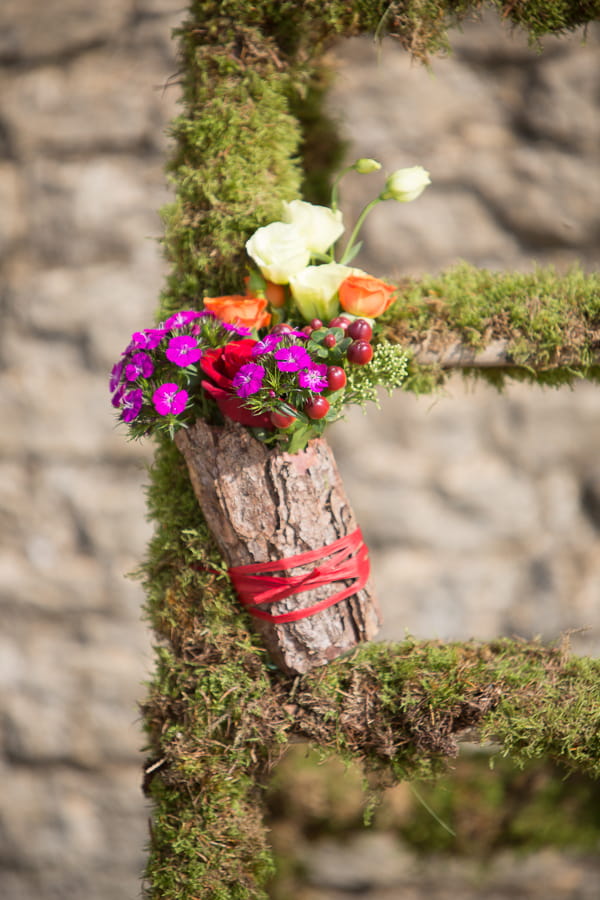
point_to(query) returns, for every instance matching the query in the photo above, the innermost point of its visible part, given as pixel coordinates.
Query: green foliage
(388, 369)
(549, 323)
(535, 701)
(217, 713)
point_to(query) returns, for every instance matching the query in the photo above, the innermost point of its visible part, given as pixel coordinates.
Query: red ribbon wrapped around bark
(348, 559)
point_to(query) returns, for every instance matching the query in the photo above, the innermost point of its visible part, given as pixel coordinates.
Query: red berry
(340, 322)
(317, 408)
(359, 353)
(281, 328)
(360, 330)
(315, 323)
(281, 420)
(307, 330)
(336, 378)
(329, 341)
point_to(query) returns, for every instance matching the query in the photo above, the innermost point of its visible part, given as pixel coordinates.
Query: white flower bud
(320, 226)
(279, 250)
(365, 165)
(406, 184)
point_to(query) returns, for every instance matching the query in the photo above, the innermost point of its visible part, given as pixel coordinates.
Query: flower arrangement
(286, 357)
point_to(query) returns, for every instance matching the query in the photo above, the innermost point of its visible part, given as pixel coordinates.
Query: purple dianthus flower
(292, 359)
(248, 379)
(181, 318)
(117, 397)
(115, 375)
(183, 351)
(315, 378)
(268, 343)
(237, 329)
(131, 404)
(298, 334)
(169, 398)
(147, 339)
(140, 364)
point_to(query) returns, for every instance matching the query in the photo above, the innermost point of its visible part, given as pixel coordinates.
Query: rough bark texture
(261, 505)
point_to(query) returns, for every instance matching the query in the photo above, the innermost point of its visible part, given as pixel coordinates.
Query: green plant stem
(359, 223)
(335, 187)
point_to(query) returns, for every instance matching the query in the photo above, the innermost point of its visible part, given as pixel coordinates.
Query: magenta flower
(181, 318)
(292, 359)
(131, 404)
(183, 351)
(315, 378)
(147, 339)
(298, 334)
(268, 343)
(236, 329)
(248, 379)
(169, 399)
(115, 375)
(118, 396)
(140, 364)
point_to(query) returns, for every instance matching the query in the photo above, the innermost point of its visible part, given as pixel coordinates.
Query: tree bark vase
(263, 505)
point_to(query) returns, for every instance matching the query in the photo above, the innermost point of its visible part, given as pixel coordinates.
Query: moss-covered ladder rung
(218, 714)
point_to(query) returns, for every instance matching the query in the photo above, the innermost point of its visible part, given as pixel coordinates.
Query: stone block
(31, 31)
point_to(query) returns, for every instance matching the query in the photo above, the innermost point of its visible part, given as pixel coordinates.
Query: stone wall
(483, 511)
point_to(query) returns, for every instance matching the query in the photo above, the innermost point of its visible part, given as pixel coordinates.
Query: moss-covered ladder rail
(217, 713)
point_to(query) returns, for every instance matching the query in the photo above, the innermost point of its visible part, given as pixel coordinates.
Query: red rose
(220, 365)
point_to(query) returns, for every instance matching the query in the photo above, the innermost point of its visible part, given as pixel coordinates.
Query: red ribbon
(348, 558)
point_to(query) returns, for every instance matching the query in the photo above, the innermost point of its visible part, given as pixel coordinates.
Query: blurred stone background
(482, 511)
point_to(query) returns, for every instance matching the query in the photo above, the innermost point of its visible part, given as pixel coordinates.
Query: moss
(321, 149)
(217, 713)
(404, 703)
(550, 324)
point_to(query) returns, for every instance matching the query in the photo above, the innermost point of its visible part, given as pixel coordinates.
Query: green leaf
(257, 283)
(300, 438)
(350, 253)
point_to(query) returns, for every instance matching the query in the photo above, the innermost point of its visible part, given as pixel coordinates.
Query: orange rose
(363, 295)
(238, 310)
(275, 293)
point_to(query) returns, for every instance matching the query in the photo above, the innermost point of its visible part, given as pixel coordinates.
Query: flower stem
(351, 241)
(335, 192)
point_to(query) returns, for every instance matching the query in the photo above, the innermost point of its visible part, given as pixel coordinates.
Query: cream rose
(320, 226)
(315, 288)
(279, 250)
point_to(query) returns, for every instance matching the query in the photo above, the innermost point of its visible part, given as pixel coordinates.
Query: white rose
(319, 225)
(315, 288)
(279, 250)
(406, 184)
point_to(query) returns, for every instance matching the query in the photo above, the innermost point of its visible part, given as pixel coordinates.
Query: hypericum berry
(281, 420)
(281, 328)
(307, 330)
(340, 322)
(360, 330)
(329, 341)
(359, 353)
(317, 408)
(336, 378)
(315, 323)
